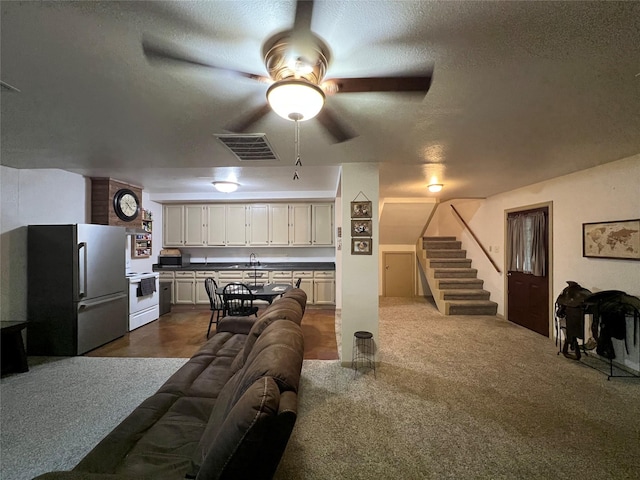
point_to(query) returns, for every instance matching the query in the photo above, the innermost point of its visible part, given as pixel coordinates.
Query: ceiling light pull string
(297, 148)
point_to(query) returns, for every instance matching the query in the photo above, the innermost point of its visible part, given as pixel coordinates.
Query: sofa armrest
(241, 325)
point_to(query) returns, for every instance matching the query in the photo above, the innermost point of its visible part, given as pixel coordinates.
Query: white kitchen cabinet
(173, 225)
(281, 276)
(258, 224)
(194, 226)
(185, 283)
(253, 277)
(201, 296)
(300, 224)
(226, 277)
(322, 224)
(306, 282)
(324, 287)
(215, 217)
(279, 224)
(236, 225)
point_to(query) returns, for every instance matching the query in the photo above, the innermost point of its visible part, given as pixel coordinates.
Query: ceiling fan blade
(243, 123)
(339, 130)
(154, 52)
(378, 84)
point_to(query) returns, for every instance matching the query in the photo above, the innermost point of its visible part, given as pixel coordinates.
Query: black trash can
(165, 297)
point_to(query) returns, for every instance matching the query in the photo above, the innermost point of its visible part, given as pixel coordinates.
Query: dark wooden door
(528, 294)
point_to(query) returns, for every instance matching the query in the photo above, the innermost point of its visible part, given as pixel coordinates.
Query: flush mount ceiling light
(295, 99)
(435, 187)
(226, 187)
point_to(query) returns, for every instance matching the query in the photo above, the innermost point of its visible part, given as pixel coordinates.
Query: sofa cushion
(164, 451)
(277, 354)
(243, 446)
(298, 295)
(287, 309)
(112, 450)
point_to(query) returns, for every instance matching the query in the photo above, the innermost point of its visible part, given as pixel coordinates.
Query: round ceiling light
(295, 99)
(225, 187)
(435, 187)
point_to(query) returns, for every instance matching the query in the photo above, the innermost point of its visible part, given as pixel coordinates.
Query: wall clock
(126, 204)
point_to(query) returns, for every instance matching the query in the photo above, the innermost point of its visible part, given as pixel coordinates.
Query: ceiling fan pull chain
(297, 150)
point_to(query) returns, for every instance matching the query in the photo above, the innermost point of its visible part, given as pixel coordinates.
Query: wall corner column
(359, 286)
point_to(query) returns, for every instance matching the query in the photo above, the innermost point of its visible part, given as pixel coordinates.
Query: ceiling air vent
(249, 147)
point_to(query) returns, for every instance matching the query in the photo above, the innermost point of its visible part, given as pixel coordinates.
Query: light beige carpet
(462, 397)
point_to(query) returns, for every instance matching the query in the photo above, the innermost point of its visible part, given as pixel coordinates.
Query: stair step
(472, 307)
(442, 244)
(455, 273)
(459, 283)
(437, 239)
(445, 253)
(450, 263)
(465, 294)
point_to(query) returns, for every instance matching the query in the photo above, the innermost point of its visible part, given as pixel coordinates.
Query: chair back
(238, 300)
(215, 299)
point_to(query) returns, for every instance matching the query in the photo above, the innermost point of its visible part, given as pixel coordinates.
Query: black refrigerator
(77, 296)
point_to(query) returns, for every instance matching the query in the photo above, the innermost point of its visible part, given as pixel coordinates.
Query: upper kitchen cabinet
(322, 224)
(216, 216)
(276, 224)
(236, 224)
(195, 228)
(173, 226)
(279, 224)
(300, 224)
(258, 224)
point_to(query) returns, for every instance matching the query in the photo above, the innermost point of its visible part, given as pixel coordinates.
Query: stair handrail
(476, 239)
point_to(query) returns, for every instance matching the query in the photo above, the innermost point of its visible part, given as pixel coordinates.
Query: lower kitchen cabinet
(188, 288)
(306, 282)
(324, 287)
(184, 288)
(202, 298)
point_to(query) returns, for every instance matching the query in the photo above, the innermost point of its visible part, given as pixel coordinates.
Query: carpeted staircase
(455, 286)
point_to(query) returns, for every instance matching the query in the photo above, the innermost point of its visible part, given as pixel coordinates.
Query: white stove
(144, 298)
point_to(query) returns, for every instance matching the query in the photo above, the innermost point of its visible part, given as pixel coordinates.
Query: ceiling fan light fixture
(435, 187)
(295, 99)
(225, 187)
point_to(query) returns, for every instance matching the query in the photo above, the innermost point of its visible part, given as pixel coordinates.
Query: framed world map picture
(619, 239)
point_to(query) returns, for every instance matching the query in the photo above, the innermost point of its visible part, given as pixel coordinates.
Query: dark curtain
(526, 234)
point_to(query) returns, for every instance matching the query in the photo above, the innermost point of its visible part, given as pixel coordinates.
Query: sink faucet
(252, 260)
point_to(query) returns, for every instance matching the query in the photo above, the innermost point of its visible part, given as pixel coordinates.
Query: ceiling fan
(297, 62)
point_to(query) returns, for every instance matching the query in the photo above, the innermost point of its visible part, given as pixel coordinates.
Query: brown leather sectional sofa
(226, 414)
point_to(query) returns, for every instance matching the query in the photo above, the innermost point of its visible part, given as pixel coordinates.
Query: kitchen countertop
(268, 266)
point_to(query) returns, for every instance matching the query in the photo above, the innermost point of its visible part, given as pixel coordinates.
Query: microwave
(181, 260)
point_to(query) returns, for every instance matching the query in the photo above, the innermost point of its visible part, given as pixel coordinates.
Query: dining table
(268, 292)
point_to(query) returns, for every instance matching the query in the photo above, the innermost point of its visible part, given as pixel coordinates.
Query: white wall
(359, 285)
(43, 196)
(604, 193)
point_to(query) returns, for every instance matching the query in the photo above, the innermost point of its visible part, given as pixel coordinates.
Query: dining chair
(215, 302)
(298, 282)
(238, 300)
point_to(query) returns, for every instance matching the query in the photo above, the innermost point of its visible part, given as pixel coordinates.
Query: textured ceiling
(522, 92)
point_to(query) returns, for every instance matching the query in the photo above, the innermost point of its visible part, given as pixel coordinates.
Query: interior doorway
(528, 254)
(399, 274)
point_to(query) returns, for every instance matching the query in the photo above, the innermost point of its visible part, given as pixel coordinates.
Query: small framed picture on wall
(361, 246)
(360, 209)
(360, 228)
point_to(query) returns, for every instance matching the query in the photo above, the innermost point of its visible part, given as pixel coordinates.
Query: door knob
(386, 267)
